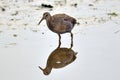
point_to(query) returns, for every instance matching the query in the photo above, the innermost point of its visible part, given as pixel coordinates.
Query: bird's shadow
(59, 58)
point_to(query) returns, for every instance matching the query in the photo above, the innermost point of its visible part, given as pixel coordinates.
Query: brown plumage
(59, 58)
(59, 23)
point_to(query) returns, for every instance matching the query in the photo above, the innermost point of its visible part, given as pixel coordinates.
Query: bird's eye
(46, 15)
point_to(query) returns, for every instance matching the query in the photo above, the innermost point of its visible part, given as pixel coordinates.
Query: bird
(60, 24)
(59, 58)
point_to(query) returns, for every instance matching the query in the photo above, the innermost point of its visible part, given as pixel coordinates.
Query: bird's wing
(64, 17)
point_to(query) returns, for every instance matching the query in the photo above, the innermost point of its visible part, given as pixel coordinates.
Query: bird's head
(46, 16)
(46, 71)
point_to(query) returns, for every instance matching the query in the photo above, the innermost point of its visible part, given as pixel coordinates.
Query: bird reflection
(59, 58)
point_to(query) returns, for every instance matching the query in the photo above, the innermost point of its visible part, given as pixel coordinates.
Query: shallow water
(24, 45)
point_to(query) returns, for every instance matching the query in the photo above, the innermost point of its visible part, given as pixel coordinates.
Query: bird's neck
(48, 21)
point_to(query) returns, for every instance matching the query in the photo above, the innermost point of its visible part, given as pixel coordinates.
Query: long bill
(40, 21)
(41, 68)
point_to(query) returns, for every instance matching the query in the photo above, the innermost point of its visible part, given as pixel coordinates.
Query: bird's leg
(59, 40)
(71, 40)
